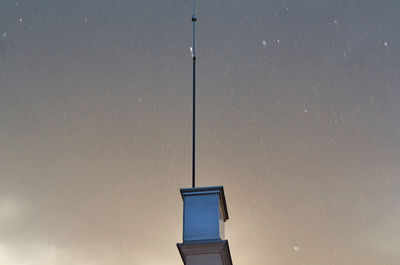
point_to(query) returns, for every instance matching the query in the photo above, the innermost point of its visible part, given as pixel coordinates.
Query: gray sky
(298, 118)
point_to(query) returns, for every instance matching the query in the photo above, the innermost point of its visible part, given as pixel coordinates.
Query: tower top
(204, 217)
(209, 190)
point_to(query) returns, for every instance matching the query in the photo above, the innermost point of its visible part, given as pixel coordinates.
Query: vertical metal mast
(194, 19)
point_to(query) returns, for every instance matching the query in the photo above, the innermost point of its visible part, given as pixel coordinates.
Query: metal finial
(194, 19)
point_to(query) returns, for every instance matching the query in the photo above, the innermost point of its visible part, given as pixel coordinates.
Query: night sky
(298, 118)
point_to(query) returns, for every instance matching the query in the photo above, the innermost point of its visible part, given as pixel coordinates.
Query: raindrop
(20, 20)
(385, 43)
(264, 42)
(191, 51)
(296, 248)
(4, 34)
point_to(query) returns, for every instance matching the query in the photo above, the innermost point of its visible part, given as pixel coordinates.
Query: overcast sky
(298, 119)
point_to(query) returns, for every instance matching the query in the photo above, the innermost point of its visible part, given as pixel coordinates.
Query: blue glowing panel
(201, 217)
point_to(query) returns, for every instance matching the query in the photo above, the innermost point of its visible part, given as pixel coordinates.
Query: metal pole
(194, 19)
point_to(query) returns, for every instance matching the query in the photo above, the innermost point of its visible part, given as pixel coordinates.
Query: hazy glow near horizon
(298, 118)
